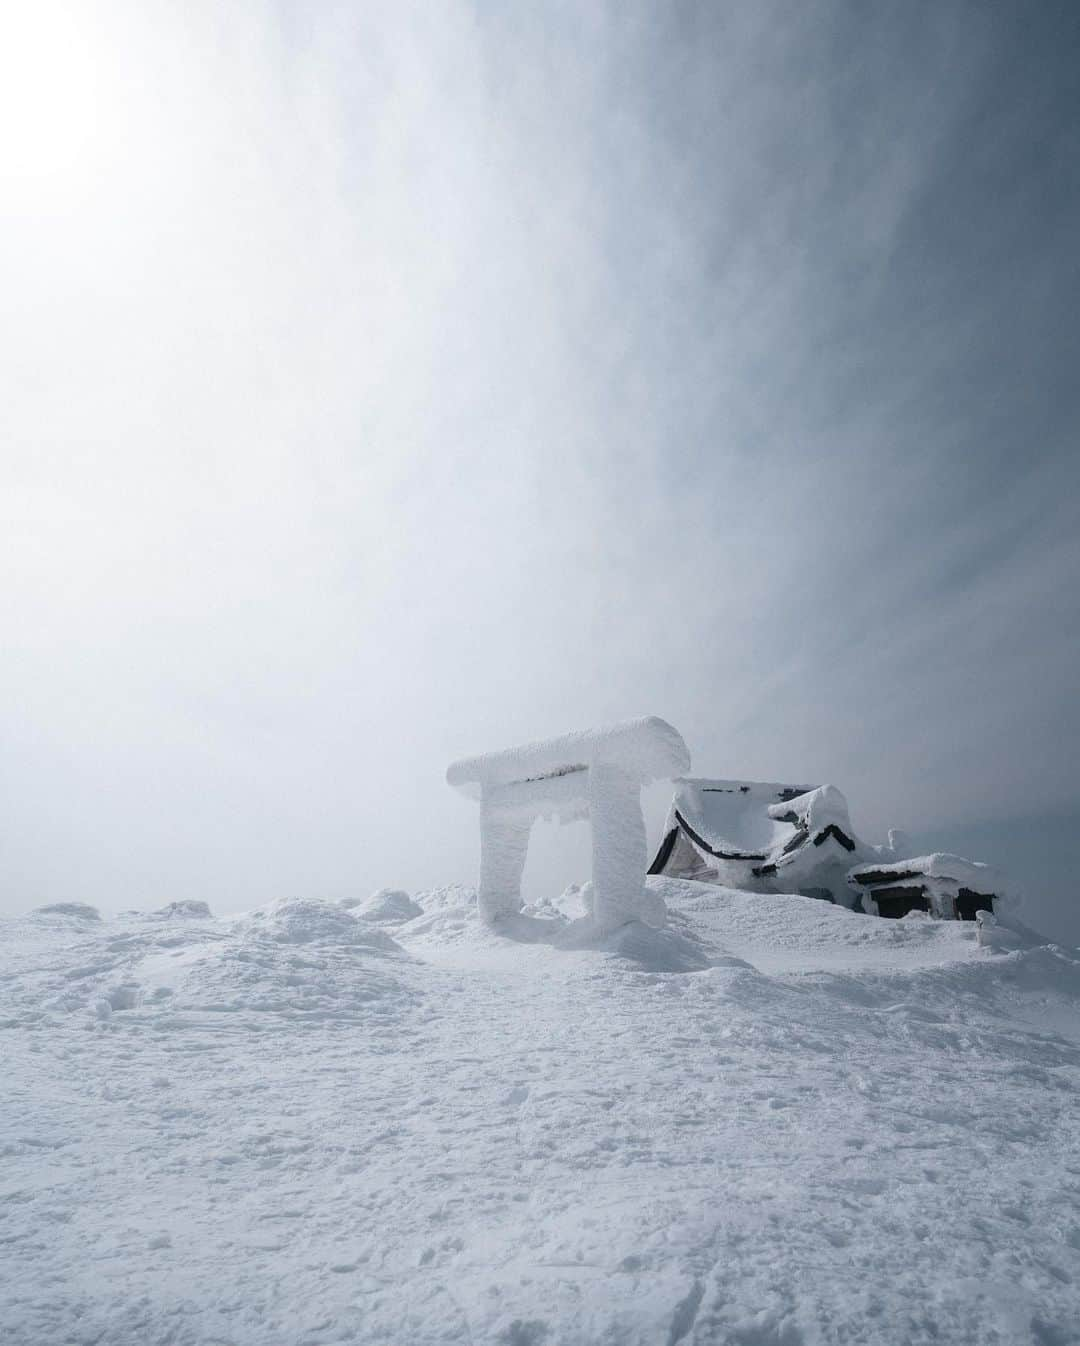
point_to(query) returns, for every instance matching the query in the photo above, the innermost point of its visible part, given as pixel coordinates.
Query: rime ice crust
(594, 773)
(649, 747)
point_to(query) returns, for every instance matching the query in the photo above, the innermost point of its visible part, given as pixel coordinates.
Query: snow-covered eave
(830, 840)
(685, 813)
(710, 785)
(818, 816)
(718, 849)
(939, 865)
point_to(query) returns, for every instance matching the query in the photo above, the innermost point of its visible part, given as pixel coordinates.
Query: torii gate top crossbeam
(648, 748)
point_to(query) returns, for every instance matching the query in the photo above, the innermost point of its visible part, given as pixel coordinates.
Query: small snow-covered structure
(940, 884)
(595, 774)
(763, 836)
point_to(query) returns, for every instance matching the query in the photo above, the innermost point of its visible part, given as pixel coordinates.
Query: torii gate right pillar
(619, 849)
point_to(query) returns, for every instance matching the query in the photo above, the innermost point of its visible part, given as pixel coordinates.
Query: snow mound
(992, 933)
(326, 983)
(782, 931)
(305, 963)
(451, 921)
(385, 904)
(450, 896)
(302, 920)
(80, 911)
(574, 902)
(450, 916)
(185, 910)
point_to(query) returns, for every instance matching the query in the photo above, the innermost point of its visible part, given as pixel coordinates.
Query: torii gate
(595, 774)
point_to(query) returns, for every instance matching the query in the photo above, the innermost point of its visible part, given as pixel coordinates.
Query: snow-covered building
(761, 836)
(772, 837)
(941, 884)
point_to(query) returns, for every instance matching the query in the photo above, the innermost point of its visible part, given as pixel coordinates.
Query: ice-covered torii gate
(596, 774)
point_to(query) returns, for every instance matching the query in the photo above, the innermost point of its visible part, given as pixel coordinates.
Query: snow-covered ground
(774, 1122)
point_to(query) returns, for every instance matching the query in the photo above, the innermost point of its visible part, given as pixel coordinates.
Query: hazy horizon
(387, 383)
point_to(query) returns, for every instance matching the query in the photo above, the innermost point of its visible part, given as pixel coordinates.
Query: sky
(382, 383)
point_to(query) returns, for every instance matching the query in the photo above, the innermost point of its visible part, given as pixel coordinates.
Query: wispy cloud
(387, 382)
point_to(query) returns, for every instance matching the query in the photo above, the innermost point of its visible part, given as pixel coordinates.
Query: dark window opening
(896, 902)
(969, 902)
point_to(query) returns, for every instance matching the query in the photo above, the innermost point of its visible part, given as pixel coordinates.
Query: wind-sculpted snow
(387, 904)
(79, 911)
(772, 1122)
(301, 921)
(196, 911)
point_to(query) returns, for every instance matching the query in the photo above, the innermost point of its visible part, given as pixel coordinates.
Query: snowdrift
(773, 1121)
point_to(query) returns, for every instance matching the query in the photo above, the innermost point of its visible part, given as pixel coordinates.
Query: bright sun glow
(53, 103)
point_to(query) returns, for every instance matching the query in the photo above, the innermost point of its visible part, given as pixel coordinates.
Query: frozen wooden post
(595, 774)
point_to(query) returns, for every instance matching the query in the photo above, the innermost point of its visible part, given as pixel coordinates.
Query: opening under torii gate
(596, 774)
